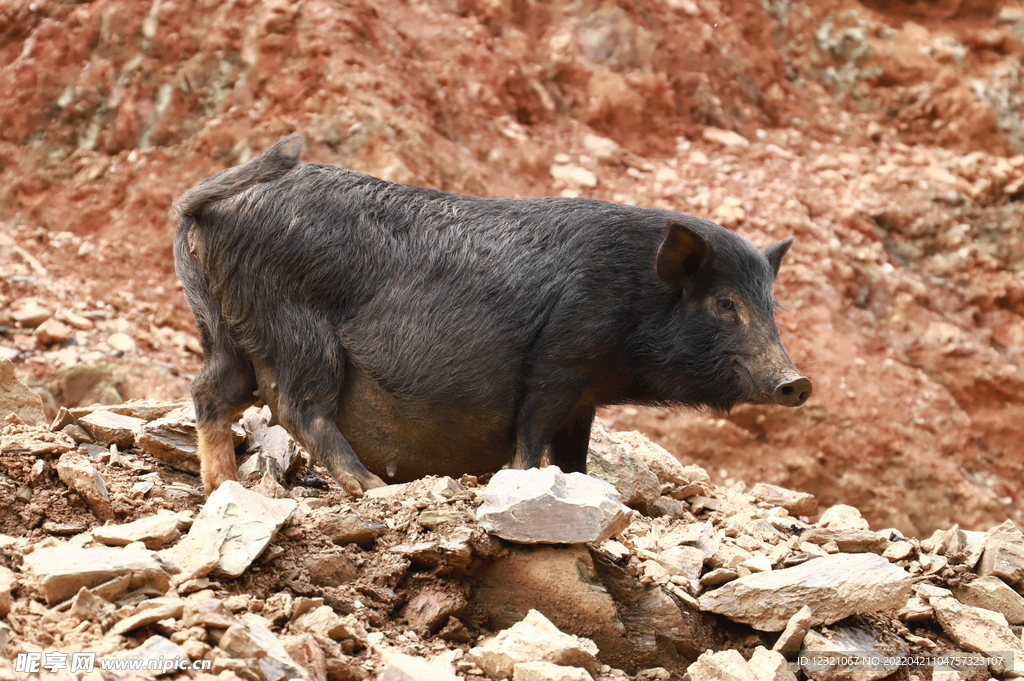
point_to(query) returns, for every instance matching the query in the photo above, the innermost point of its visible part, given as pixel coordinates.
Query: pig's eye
(725, 304)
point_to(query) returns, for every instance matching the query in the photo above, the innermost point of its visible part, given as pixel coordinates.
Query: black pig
(397, 331)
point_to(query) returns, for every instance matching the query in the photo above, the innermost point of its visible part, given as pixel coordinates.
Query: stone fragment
(843, 517)
(157, 609)
(77, 472)
(108, 428)
(898, 550)
(833, 587)
(916, 610)
(235, 525)
(7, 584)
(1003, 559)
(351, 528)
(408, 668)
(272, 449)
(18, 398)
(323, 621)
(89, 607)
(848, 541)
(153, 648)
(726, 138)
(797, 503)
(789, 642)
(331, 568)
(546, 671)
(172, 440)
(429, 609)
(52, 332)
(62, 570)
(615, 463)
(573, 174)
(33, 440)
(435, 517)
(30, 317)
(121, 341)
(981, 631)
(659, 461)
(603, 149)
(308, 654)
(990, 593)
(729, 665)
(207, 612)
(687, 561)
(5, 637)
(154, 531)
(534, 639)
(62, 420)
(859, 652)
(544, 505)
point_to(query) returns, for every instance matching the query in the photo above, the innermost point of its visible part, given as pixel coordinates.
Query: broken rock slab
(154, 531)
(861, 653)
(792, 637)
(33, 440)
(107, 428)
(615, 463)
(62, 570)
(77, 472)
(408, 668)
(729, 665)
(272, 449)
(992, 593)
(17, 398)
(833, 587)
(1004, 553)
(232, 530)
(546, 671)
(534, 639)
(544, 505)
(796, 503)
(981, 631)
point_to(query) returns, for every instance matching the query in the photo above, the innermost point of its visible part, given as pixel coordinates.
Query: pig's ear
(775, 251)
(683, 253)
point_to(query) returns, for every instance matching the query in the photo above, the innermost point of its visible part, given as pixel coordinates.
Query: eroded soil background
(886, 136)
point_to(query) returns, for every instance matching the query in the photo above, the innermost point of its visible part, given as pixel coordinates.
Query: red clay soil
(885, 136)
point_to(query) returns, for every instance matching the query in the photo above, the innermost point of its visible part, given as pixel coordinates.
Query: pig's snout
(793, 392)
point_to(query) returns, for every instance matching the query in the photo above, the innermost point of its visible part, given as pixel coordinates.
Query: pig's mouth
(788, 389)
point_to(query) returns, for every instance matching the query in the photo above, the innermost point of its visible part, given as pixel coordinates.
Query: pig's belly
(402, 440)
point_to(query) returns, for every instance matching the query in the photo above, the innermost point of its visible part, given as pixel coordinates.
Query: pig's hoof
(355, 486)
(215, 479)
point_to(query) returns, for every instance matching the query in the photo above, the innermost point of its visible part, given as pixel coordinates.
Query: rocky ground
(110, 547)
(886, 136)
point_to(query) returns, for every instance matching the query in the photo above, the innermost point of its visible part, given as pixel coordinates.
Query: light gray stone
(544, 505)
(843, 517)
(17, 398)
(979, 630)
(408, 668)
(33, 440)
(848, 541)
(615, 463)
(62, 570)
(1003, 559)
(156, 609)
(659, 461)
(992, 593)
(77, 472)
(272, 450)
(153, 648)
(108, 428)
(533, 639)
(154, 531)
(833, 587)
(232, 530)
(792, 637)
(797, 503)
(729, 665)
(878, 654)
(546, 671)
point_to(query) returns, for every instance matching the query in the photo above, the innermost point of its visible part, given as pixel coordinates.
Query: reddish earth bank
(887, 137)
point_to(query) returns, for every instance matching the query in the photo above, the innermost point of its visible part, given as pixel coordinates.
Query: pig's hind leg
(310, 371)
(571, 443)
(221, 390)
